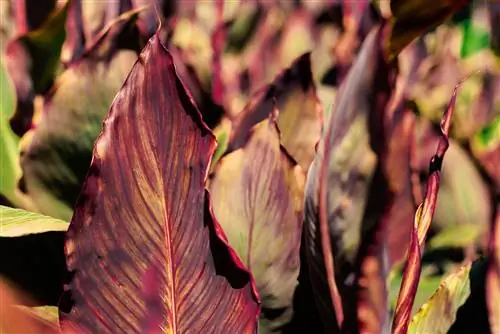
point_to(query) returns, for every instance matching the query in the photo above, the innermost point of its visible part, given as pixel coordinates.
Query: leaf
(411, 18)
(463, 196)
(299, 119)
(264, 221)
(337, 188)
(485, 146)
(10, 170)
(440, 311)
(145, 251)
(55, 161)
(427, 286)
(17, 223)
(30, 15)
(32, 60)
(423, 218)
(16, 319)
(34, 248)
(475, 39)
(460, 235)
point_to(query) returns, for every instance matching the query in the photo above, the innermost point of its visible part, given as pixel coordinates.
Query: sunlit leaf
(146, 253)
(439, 312)
(56, 159)
(17, 222)
(299, 119)
(264, 221)
(10, 170)
(460, 235)
(32, 60)
(33, 245)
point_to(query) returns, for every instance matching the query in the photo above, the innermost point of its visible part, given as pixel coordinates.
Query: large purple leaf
(338, 185)
(299, 119)
(146, 253)
(58, 151)
(264, 219)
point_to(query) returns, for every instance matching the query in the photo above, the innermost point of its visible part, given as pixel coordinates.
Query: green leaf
(474, 39)
(439, 312)
(427, 286)
(461, 235)
(56, 160)
(9, 142)
(17, 222)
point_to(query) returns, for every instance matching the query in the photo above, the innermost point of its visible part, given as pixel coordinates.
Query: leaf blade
(142, 282)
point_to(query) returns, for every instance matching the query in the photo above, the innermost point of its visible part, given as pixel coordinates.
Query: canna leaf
(337, 187)
(10, 170)
(423, 218)
(440, 311)
(411, 18)
(264, 221)
(32, 60)
(146, 253)
(299, 119)
(17, 223)
(35, 247)
(57, 153)
(31, 15)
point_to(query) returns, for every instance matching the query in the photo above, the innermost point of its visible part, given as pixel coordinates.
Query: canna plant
(249, 167)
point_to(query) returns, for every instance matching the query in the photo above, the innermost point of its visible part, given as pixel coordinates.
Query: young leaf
(299, 119)
(423, 218)
(439, 313)
(33, 248)
(32, 61)
(263, 223)
(411, 18)
(55, 162)
(146, 253)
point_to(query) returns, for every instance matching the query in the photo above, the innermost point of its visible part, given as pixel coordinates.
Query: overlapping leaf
(423, 218)
(58, 151)
(439, 313)
(411, 18)
(10, 170)
(146, 253)
(264, 221)
(339, 181)
(32, 60)
(299, 119)
(33, 254)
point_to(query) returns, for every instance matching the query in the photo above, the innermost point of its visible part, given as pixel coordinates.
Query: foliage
(249, 167)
